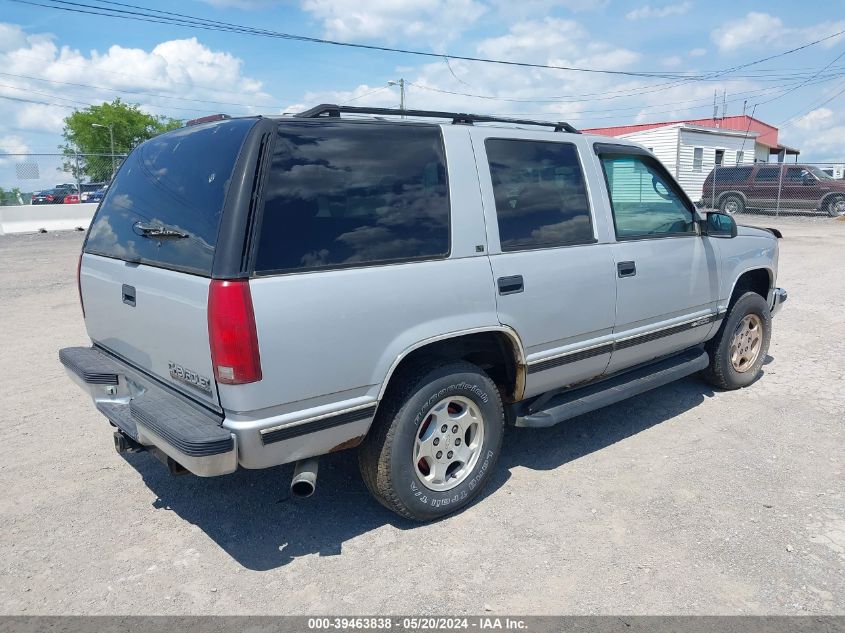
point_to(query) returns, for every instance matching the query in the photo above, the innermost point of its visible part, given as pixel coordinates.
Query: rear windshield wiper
(157, 231)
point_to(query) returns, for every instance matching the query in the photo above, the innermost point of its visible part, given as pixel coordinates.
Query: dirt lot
(681, 501)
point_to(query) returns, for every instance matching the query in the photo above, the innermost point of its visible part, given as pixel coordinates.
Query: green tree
(87, 132)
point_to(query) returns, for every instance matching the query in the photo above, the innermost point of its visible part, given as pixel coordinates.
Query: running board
(582, 400)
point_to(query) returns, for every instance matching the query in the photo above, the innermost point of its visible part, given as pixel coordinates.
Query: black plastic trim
(182, 426)
(333, 111)
(90, 365)
(297, 430)
(574, 357)
(236, 217)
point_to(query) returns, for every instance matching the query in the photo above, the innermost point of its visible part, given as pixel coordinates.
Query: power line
(180, 19)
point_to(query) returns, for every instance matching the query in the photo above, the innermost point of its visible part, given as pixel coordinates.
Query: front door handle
(626, 269)
(510, 285)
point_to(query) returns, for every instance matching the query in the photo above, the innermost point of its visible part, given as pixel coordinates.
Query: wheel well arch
(829, 196)
(732, 192)
(757, 280)
(498, 351)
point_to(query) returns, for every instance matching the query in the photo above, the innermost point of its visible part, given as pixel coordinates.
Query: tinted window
(731, 176)
(344, 194)
(767, 174)
(175, 181)
(645, 201)
(541, 200)
(796, 174)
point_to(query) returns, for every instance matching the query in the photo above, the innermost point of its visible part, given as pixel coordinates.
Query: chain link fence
(777, 189)
(69, 177)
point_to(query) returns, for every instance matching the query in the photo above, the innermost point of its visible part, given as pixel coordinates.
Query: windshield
(818, 173)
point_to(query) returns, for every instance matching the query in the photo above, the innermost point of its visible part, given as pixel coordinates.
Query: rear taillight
(232, 334)
(79, 283)
(49, 197)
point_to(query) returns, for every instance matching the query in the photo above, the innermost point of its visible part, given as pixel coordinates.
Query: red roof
(768, 133)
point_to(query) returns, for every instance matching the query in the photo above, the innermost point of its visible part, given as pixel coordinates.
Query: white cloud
(648, 12)
(673, 61)
(532, 8)
(552, 41)
(433, 22)
(698, 52)
(762, 29)
(815, 120)
(11, 144)
(164, 80)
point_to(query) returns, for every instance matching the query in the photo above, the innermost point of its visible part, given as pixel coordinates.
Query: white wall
(692, 178)
(31, 218)
(663, 142)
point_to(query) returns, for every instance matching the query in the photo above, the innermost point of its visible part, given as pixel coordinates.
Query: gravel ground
(681, 501)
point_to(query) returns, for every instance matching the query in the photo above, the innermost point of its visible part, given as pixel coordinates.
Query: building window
(720, 156)
(740, 157)
(697, 158)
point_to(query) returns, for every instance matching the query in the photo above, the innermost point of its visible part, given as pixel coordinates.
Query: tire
(734, 370)
(400, 446)
(836, 206)
(732, 204)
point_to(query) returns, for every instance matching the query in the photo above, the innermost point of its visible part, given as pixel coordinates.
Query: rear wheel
(435, 440)
(732, 204)
(738, 350)
(836, 206)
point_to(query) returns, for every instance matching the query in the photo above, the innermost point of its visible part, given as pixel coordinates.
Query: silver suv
(261, 291)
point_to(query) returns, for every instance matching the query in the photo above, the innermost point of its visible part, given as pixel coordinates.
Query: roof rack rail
(334, 111)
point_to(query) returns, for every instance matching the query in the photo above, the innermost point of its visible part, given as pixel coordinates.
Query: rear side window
(733, 176)
(767, 174)
(541, 199)
(176, 182)
(347, 194)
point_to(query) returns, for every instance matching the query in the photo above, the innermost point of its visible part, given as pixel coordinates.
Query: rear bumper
(777, 298)
(204, 441)
(151, 416)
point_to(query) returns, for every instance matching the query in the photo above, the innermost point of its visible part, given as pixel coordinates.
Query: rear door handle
(626, 269)
(510, 285)
(128, 293)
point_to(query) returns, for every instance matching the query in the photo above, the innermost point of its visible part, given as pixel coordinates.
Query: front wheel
(836, 206)
(738, 350)
(435, 440)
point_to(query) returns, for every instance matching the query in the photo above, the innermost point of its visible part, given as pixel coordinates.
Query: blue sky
(181, 72)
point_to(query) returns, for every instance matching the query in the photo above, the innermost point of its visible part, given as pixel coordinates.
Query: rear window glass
(347, 194)
(176, 182)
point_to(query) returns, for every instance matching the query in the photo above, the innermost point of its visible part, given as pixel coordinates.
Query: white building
(692, 149)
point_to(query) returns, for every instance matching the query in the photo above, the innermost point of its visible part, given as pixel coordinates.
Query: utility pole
(724, 102)
(715, 107)
(401, 83)
(111, 138)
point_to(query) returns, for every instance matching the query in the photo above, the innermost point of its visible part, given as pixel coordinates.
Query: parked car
(304, 285)
(88, 189)
(767, 186)
(49, 196)
(96, 196)
(72, 198)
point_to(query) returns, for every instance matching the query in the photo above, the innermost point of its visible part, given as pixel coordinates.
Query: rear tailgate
(147, 261)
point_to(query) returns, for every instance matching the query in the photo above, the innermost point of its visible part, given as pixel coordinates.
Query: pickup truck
(267, 290)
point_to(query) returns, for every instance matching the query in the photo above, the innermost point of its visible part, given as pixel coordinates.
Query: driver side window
(644, 201)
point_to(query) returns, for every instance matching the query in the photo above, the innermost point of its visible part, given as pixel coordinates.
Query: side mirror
(719, 225)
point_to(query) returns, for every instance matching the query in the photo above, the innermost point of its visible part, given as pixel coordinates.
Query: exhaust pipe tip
(304, 481)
